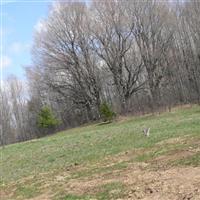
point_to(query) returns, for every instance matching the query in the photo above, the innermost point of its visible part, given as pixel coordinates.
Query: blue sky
(19, 21)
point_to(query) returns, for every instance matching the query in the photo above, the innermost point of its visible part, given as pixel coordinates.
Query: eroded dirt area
(154, 179)
(178, 183)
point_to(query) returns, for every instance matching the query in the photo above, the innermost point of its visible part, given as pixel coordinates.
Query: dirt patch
(153, 180)
(164, 161)
(176, 183)
(45, 196)
(142, 180)
(177, 140)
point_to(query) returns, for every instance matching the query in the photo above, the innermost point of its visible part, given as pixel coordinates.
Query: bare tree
(154, 37)
(69, 64)
(114, 42)
(139, 56)
(7, 135)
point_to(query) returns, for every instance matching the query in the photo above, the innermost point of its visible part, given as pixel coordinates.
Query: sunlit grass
(86, 146)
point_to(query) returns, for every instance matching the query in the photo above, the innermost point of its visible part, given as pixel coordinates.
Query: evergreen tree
(106, 112)
(46, 118)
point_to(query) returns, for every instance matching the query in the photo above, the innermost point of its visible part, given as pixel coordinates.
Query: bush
(106, 112)
(46, 118)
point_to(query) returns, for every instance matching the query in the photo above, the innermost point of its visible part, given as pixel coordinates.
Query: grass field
(109, 161)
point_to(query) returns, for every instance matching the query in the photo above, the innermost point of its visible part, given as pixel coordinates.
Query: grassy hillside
(87, 162)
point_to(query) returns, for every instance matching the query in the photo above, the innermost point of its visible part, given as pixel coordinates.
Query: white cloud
(5, 32)
(40, 26)
(4, 2)
(6, 61)
(3, 85)
(56, 5)
(18, 47)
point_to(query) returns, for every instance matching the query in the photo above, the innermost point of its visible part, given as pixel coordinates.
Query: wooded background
(138, 56)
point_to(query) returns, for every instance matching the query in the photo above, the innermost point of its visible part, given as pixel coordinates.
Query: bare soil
(172, 184)
(153, 180)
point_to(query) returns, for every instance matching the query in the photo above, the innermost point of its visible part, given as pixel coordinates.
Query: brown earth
(153, 180)
(178, 183)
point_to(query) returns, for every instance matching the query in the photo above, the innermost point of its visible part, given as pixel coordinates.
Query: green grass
(99, 169)
(88, 145)
(26, 192)
(74, 197)
(167, 149)
(193, 160)
(113, 190)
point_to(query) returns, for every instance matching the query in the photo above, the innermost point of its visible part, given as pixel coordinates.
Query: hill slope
(109, 161)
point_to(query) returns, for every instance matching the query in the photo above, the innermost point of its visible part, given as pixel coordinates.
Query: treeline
(137, 56)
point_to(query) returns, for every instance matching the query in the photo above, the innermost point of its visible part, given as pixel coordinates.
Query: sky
(20, 19)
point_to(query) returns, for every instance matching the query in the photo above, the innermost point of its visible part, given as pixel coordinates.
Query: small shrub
(46, 118)
(106, 112)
